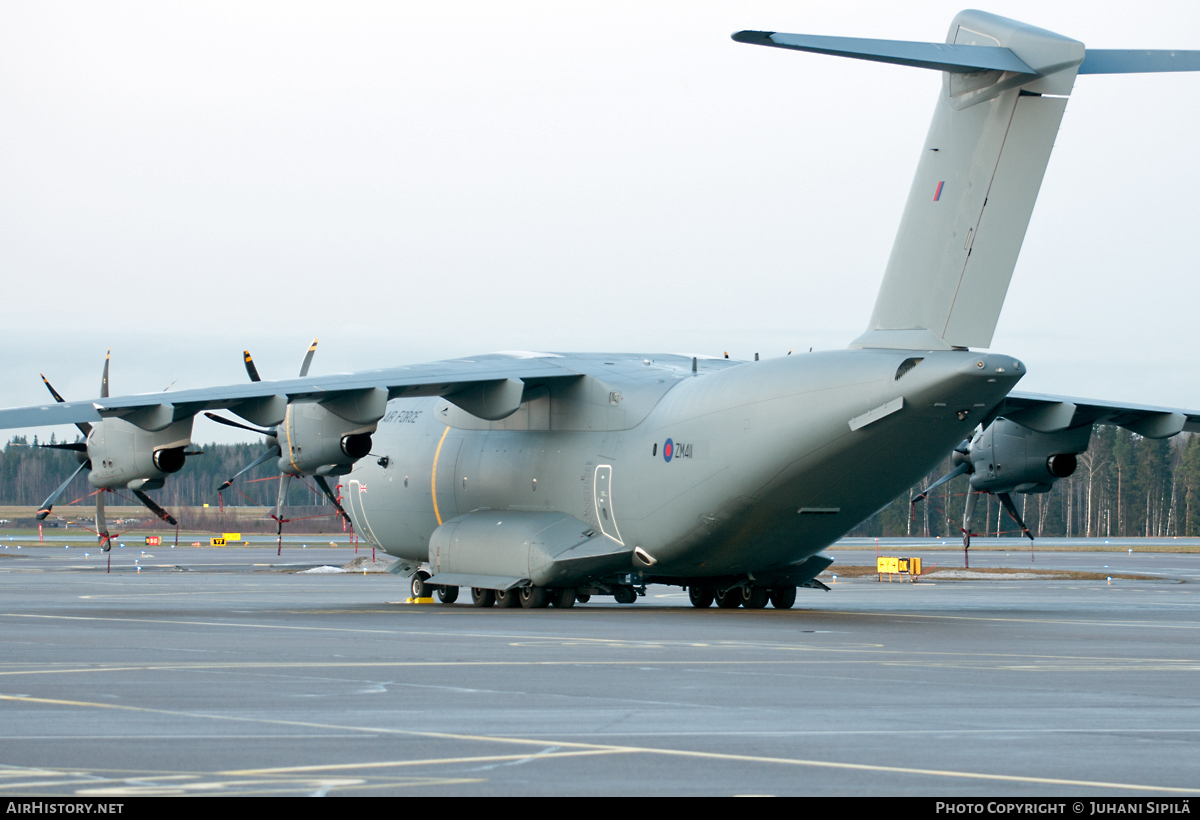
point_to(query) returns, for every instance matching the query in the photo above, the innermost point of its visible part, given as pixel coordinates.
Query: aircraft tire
(624, 594)
(731, 599)
(508, 598)
(701, 597)
(563, 598)
(420, 589)
(754, 597)
(482, 597)
(534, 597)
(447, 595)
(582, 597)
(783, 597)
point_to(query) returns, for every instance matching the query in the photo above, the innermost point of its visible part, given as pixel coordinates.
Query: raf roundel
(668, 450)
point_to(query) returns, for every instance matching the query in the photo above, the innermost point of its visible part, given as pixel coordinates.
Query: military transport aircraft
(533, 478)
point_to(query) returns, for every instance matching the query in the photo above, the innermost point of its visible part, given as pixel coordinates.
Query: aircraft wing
(445, 378)
(1045, 413)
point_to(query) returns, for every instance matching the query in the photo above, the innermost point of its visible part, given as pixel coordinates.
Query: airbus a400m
(535, 478)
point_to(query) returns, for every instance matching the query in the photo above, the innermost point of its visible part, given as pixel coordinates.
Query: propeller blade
(967, 515)
(269, 454)
(102, 524)
(77, 446)
(48, 504)
(312, 348)
(251, 370)
(50, 387)
(324, 485)
(194, 453)
(154, 508)
(955, 473)
(232, 423)
(83, 426)
(1011, 508)
(104, 378)
(285, 482)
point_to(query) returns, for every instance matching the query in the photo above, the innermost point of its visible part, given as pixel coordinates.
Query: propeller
(961, 457)
(80, 447)
(274, 450)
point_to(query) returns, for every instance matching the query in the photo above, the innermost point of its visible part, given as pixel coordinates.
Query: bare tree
(1093, 461)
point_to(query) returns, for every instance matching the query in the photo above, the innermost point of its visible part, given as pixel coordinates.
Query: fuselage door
(604, 508)
(358, 512)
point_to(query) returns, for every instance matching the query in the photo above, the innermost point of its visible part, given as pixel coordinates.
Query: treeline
(1125, 486)
(29, 473)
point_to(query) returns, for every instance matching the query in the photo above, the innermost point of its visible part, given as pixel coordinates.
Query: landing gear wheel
(582, 597)
(534, 597)
(783, 597)
(754, 597)
(701, 597)
(447, 595)
(508, 598)
(624, 595)
(482, 597)
(729, 599)
(420, 589)
(562, 598)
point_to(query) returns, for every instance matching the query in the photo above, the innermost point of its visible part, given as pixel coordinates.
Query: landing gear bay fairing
(543, 478)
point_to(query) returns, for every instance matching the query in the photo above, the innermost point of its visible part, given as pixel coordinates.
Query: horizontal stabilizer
(1134, 61)
(952, 57)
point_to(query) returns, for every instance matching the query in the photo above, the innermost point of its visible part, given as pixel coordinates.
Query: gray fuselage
(770, 461)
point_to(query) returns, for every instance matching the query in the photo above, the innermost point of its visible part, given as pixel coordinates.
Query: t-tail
(1005, 86)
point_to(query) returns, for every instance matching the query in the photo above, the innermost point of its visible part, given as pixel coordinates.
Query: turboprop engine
(129, 448)
(325, 439)
(1006, 457)
(124, 455)
(309, 437)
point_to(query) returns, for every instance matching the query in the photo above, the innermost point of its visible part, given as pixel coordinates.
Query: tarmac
(234, 672)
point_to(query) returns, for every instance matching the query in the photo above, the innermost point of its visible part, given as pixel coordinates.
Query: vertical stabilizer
(975, 187)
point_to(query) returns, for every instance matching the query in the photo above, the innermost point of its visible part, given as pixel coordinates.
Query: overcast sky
(417, 181)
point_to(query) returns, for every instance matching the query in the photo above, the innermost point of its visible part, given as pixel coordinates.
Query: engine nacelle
(314, 440)
(124, 455)
(1007, 457)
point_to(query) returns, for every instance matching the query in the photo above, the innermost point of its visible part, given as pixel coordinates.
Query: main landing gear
(530, 597)
(747, 597)
(524, 597)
